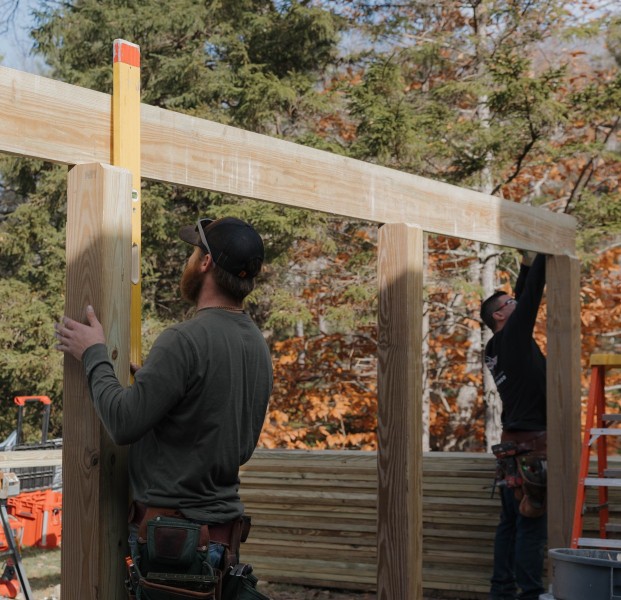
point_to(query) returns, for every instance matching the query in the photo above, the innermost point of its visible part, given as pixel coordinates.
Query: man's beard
(191, 282)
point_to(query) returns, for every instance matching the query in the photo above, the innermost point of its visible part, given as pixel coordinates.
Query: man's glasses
(203, 223)
(507, 303)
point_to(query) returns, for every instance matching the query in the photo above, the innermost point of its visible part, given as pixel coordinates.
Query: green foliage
(288, 312)
(29, 365)
(248, 63)
(384, 116)
(448, 91)
(599, 218)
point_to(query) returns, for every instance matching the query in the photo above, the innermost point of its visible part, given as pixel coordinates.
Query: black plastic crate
(39, 478)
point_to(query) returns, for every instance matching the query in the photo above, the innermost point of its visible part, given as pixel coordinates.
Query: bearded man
(192, 416)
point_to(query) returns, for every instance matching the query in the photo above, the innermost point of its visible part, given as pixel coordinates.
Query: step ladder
(598, 427)
(9, 486)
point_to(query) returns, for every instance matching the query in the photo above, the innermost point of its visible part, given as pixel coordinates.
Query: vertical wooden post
(563, 391)
(399, 527)
(126, 154)
(94, 469)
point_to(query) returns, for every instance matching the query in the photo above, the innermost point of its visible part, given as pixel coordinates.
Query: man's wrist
(528, 256)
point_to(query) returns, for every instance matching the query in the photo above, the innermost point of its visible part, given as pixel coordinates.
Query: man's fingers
(67, 324)
(91, 316)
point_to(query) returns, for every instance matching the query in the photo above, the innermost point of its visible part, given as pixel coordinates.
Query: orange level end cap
(126, 52)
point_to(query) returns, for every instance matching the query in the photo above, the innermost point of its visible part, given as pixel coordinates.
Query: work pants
(519, 548)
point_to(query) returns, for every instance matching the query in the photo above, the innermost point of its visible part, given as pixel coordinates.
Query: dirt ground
(42, 569)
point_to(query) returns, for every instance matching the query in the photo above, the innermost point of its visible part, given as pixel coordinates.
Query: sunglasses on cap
(507, 303)
(199, 226)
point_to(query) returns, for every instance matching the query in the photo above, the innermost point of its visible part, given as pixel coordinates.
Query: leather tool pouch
(172, 542)
(172, 565)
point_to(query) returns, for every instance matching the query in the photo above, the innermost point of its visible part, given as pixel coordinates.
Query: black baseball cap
(234, 245)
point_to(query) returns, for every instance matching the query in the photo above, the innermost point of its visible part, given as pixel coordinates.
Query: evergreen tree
(254, 64)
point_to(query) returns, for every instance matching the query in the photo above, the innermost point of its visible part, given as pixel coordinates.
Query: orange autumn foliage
(325, 390)
(325, 394)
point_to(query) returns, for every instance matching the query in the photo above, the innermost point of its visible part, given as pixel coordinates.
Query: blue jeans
(518, 552)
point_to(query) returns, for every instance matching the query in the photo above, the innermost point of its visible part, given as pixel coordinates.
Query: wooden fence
(314, 519)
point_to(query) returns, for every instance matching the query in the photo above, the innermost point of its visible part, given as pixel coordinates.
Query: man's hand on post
(74, 338)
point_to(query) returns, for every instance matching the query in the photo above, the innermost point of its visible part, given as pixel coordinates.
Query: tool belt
(522, 466)
(174, 555)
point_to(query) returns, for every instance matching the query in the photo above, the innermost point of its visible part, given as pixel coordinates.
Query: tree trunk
(488, 257)
(425, 350)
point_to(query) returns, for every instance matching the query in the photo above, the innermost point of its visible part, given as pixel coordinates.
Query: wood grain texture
(58, 122)
(563, 394)
(95, 470)
(399, 421)
(55, 121)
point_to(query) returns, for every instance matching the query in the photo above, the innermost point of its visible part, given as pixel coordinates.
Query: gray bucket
(580, 574)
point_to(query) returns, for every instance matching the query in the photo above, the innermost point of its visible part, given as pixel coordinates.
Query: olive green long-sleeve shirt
(193, 414)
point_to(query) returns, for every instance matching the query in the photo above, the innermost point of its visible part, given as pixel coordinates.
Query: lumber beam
(399, 422)
(95, 489)
(62, 123)
(563, 394)
(30, 458)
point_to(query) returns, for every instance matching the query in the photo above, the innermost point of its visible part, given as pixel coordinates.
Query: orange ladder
(597, 428)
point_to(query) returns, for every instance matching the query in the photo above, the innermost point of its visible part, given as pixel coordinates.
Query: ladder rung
(613, 527)
(605, 431)
(615, 417)
(612, 472)
(602, 481)
(599, 543)
(594, 508)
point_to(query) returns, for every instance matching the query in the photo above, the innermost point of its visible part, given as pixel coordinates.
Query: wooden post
(126, 154)
(400, 498)
(563, 391)
(94, 469)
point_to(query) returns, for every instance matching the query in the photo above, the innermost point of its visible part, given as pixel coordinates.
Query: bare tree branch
(8, 10)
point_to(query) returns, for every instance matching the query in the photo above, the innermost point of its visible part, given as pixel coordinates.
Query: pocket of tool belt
(172, 542)
(172, 565)
(172, 546)
(155, 589)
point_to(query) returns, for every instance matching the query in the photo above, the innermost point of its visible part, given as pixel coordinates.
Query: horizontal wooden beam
(19, 459)
(66, 124)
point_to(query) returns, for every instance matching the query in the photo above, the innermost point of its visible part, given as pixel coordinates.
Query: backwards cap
(234, 245)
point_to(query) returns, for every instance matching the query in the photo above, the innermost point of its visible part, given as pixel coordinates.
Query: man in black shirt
(519, 371)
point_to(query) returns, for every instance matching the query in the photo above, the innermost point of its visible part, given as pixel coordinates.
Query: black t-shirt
(517, 364)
